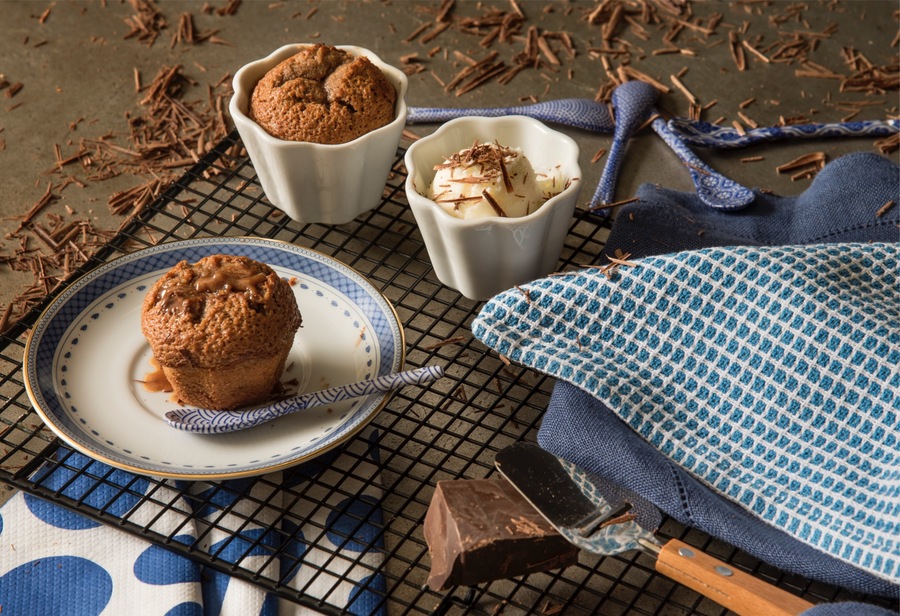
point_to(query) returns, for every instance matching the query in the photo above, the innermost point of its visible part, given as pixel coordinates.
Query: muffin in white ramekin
(314, 182)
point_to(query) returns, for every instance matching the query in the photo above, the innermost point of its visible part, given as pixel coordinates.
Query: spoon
(713, 188)
(581, 113)
(205, 421)
(633, 102)
(704, 134)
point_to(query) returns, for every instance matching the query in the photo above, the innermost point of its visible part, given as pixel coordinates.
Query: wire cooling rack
(450, 430)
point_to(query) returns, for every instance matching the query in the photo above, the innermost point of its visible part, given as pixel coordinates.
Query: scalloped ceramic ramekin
(314, 182)
(482, 257)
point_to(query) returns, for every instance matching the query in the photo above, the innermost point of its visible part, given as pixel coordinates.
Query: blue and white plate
(86, 358)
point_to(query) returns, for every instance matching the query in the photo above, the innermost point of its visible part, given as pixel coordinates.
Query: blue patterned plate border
(86, 355)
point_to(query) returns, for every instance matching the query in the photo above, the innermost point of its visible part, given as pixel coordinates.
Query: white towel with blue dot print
(770, 373)
(55, 561)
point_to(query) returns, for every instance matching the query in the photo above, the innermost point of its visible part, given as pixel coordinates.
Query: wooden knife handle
(728, 586)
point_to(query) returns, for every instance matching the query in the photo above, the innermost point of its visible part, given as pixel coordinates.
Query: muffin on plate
(221, 330)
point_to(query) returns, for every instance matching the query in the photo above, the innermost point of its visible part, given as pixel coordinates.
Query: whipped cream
(489, 179)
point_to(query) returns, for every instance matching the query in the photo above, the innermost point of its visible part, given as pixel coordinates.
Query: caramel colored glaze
(218, 312)
(156, 381)
(188, 290)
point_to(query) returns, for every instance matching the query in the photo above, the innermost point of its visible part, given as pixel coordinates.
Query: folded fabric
(56, 561)
(849, 608)
(841, 205)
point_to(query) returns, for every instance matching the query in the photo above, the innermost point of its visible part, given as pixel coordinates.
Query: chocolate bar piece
(479, 530)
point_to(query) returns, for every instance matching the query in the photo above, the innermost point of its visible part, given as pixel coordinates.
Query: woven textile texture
(769, 373)
(56, 561)
(844, 203)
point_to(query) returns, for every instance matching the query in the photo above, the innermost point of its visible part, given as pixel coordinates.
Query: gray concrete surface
(77, 67)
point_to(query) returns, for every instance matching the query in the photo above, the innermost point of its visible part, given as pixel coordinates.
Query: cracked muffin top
(323, 95)
(218, 311)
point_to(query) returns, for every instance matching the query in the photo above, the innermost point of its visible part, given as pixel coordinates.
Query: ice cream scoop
(479, 257)
(489, 179)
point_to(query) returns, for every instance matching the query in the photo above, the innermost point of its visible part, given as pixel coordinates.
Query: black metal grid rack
(449, 430)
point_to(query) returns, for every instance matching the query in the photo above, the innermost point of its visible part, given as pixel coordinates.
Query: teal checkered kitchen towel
(770, 373)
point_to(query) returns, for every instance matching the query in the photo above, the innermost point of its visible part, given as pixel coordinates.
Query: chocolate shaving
(444, 10)
(147, 22)
(687, 93)
(493, 203)
(888, 144)
(747, 120)
(4, 318)
(417, 32)
(503, 172)
(526, 293)
(609, 270)
(622, 261)
(230, 8)
(884, 209)
(435, 31)
(756, 53)
(816, 158)
(47, 198)
(461, 394)
(737, 51)
(605, 206)
(622, 519)
(13, 89)
(445, 342)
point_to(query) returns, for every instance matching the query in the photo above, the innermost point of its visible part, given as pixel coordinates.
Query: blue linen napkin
(56, 561)
(725, 465)
(847, 608)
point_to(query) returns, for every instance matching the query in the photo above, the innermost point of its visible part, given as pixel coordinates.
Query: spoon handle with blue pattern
(713, 188)
(704, 134)
(206, 421)
(582, 113)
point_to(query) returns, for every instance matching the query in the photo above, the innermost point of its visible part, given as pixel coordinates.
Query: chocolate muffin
(221, 330)
(323, 95)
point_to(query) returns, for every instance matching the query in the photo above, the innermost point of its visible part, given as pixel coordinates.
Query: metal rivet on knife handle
(740, 592)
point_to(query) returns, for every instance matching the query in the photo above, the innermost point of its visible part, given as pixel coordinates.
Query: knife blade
(569, 501)
(604, 519)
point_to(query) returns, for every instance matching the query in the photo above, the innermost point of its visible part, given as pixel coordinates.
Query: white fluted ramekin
(482, 257)
(314, 182)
